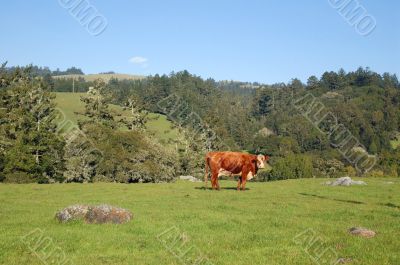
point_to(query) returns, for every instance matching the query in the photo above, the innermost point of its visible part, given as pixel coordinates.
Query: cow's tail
(207, 167)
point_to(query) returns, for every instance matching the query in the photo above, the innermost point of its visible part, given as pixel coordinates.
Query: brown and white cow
(233, 163)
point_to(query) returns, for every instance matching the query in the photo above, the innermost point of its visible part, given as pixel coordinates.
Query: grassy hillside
(71, 105)
(396, 143)
(228, 227)
(105, 77)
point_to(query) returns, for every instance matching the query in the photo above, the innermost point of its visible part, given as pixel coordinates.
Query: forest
(209, 115)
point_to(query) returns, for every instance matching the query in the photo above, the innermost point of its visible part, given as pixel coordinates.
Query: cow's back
(229, 161)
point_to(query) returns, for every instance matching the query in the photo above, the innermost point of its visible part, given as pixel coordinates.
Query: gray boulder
(189, 178)
(72, 213)
(363, 232)
(103, 214)
(345, 181)
(94, 214)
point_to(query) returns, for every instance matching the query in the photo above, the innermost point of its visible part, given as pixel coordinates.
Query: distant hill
(105, 77)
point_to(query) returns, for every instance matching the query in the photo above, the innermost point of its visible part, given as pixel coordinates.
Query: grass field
(228, 227)
(395, 143)
(105, 77)
(71, 105)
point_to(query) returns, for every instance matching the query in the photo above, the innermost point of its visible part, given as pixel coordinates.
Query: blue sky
(264, 41)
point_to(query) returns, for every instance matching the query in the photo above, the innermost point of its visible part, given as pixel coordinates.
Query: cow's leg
(216, 183)
(239, 183)
(207, 165)
(244, 180)
(214, 180)
(244, 184)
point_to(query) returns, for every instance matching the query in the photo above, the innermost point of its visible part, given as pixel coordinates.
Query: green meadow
(270, 223)
(71, 106)
(395, 143)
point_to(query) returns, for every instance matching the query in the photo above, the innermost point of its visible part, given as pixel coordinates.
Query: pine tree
(312, 82)
(34, 151)
(262, 103)
(137, 118)
(96, 105)
(192, 148)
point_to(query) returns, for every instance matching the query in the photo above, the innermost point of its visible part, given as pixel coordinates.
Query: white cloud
(139, 60)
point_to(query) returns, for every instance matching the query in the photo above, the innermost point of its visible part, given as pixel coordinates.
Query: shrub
(328, 168)
(121, 156)
(392, 171)
(263, 176)
(290, 167)
(376, 173)
(350, 171)
(19, 178)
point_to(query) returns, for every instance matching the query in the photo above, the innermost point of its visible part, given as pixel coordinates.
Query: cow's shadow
(222, 188)
(333, 199)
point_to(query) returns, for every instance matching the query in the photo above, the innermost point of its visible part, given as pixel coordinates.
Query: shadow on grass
(391, 205)
(332, 199)
(222, 188)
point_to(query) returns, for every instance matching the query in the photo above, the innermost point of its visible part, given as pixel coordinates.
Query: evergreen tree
(295, 84)
(331, 80)
(34, 151)
(312, 82)
(96, 105)
(262, 103)
(137, 118)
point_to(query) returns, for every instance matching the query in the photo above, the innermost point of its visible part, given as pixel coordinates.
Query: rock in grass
(94, 214)
(363, 232)
(190, 178)
(71, 213)
(345, 181)
(344, 260)
(103, 214)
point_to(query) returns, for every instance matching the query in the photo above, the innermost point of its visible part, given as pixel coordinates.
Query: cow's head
(261, 160)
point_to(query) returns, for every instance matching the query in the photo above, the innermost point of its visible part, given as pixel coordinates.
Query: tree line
(261, 118)
(250, 117)
(36, 147)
